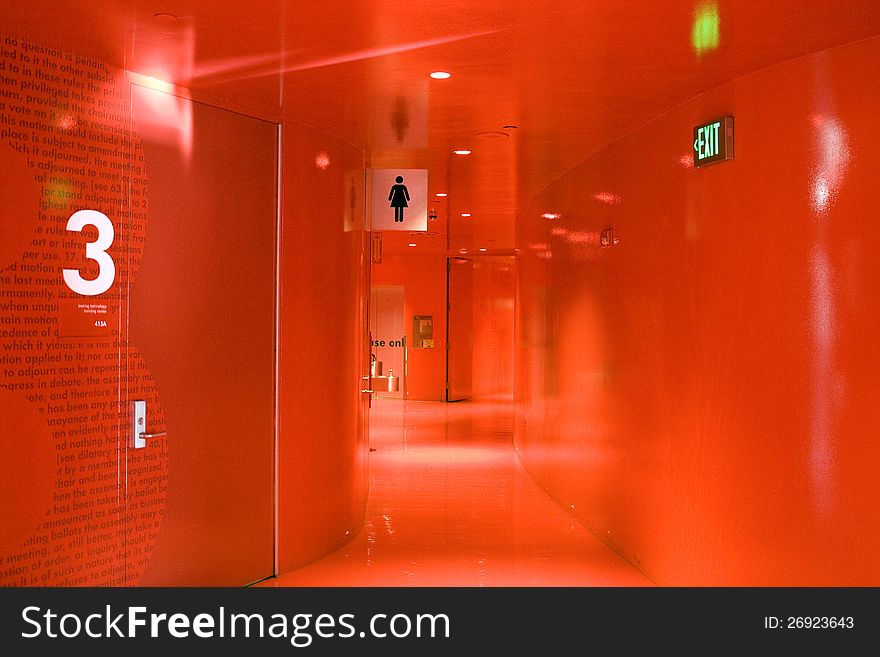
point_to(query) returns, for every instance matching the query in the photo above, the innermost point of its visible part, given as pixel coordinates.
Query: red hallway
(450, 505)
(354, 293)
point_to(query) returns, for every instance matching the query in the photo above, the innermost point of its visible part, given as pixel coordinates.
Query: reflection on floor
(450, 505)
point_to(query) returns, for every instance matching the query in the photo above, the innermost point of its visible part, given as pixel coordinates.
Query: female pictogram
(398, 196)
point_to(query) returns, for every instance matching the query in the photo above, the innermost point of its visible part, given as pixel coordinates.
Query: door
(459, 329)
(202, 324)
(388, 340)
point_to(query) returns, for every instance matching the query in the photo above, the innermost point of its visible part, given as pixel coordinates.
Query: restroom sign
(399, 199)
(713, 141)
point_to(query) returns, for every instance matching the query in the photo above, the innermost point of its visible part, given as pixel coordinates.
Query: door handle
(139, 433)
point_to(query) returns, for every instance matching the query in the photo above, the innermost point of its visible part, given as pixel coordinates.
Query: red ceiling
(573, 75)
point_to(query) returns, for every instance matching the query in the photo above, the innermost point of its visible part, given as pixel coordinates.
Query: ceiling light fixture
(465, 214)
(441, 75)
(411, 244)
(462, 152)
(482, 250)
(441, 194)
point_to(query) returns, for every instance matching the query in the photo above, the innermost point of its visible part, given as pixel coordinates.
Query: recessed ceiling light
(462, 250)
(482, 250)
(441, 75)
(462, 152)
(441, 194)
(411, 244)
(465, 214)
(551, 215)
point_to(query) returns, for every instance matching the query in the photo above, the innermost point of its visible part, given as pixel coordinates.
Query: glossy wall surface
(494, 292)
(702, 394)
(324, 350)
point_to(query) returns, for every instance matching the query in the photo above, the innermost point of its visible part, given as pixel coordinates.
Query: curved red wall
(703, 394)
(323, 281)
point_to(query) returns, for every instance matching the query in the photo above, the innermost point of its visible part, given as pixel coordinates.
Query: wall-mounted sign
(82, 317)
(399, 342)
(423, 331)
(399, 199)
(376, 247)
(713, 141)
(84, 312)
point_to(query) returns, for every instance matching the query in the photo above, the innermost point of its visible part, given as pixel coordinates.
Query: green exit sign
(713, 141)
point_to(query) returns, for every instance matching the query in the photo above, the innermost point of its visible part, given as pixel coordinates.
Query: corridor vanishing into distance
(450, 505)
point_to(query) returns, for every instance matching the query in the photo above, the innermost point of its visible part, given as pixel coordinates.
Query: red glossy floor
(450, 505)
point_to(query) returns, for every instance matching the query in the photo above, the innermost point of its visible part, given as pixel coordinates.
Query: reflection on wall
(702, 394)
(324, 351)
(78, 508)
(494, 287)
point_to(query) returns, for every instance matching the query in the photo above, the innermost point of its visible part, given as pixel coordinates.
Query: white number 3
(96, 251)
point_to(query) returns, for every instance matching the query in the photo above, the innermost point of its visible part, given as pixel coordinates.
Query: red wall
(322, 451)
(424, 281)
(702, 395)
(494, 287)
